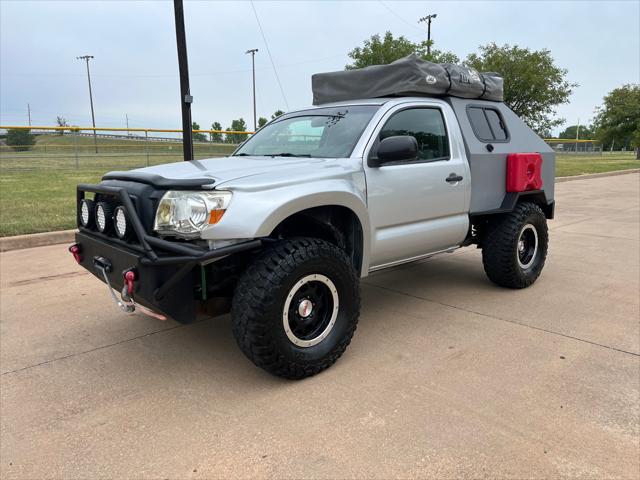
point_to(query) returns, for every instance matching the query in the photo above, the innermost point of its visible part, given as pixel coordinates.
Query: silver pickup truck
(281, 231)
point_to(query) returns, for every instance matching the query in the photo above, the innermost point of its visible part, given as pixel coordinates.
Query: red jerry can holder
(524, 172)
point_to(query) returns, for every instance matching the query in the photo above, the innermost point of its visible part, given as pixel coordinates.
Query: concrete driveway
(448, 375)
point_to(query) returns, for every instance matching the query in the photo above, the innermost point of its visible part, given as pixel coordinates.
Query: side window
(487, 124)
(427, 126)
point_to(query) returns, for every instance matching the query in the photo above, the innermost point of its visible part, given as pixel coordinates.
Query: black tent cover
(408, 76)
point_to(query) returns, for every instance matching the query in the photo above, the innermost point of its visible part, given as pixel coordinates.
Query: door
(419, 206)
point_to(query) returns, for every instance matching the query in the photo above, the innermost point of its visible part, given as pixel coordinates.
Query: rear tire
(295, 309)
(514, 247)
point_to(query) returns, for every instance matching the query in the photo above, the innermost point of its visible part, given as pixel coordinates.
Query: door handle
(453, 178)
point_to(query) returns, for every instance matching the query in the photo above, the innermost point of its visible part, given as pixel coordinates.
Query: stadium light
(428, 19)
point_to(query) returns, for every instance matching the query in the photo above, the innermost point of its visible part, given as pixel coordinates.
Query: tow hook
(127, 304)
(130, 277)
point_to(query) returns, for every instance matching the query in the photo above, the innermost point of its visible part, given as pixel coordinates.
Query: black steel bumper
(164, 270)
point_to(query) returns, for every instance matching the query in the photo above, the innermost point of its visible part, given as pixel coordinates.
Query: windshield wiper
(240, 155)
(287, 154)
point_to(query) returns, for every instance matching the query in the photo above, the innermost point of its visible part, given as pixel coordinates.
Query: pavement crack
(101, 347)
(540, 329)
(46, 278)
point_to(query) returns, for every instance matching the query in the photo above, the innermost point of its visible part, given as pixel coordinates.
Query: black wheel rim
(310, 310)
(527, 246)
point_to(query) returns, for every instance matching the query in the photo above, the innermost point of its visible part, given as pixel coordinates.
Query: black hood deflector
(158, 181)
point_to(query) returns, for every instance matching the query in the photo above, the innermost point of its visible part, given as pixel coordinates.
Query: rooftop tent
(408, 76)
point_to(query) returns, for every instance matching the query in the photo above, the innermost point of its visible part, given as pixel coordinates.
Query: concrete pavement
(447, 376)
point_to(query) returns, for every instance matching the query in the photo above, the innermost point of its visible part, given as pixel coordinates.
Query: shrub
(20, 139)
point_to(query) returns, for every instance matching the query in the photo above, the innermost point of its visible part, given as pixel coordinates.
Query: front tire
(295, 309)
(514, 247)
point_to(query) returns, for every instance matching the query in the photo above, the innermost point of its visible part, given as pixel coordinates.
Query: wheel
(514, 247)
(295, 309)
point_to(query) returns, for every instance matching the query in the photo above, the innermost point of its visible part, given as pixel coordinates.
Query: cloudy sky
(135, 68)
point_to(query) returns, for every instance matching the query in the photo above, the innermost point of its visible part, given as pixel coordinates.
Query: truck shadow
(206, 351)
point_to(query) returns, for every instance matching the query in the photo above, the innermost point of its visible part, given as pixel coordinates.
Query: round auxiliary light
(120, 222)
(103, 215)
(86, 212)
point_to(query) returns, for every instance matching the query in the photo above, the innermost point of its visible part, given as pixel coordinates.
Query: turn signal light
(215, 216)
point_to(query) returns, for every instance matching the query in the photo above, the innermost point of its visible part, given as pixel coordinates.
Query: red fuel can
(524, 172)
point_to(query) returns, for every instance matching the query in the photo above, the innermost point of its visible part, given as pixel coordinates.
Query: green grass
(37, 194)
(570, 165)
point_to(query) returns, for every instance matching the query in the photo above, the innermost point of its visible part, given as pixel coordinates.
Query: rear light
(75, 251)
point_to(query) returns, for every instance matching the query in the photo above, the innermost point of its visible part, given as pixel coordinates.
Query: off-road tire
(259, 300)
(500, 246)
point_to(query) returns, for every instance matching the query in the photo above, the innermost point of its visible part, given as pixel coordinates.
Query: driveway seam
(71, 355)
(635, 354)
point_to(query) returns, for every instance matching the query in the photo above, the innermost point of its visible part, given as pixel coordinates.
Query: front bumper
(165, 281)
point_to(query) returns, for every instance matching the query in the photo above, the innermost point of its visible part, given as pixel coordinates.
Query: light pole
(253, 69)
(428, 19)
(86, 58)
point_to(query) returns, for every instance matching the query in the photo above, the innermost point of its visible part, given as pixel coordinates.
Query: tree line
(534, 86)
(238, 125)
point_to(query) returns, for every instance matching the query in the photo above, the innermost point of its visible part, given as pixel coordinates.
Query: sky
(135, 69)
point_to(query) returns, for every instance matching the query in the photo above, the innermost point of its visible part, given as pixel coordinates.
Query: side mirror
(395, 149)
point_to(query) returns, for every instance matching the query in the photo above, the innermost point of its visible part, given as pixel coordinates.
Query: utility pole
(86, 58)
(29, 113)
(577, 134)
(253, 69)
(185, 96)
(428, 19)
(127, 117)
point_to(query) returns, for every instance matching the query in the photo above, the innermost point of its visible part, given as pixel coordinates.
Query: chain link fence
(72, 148)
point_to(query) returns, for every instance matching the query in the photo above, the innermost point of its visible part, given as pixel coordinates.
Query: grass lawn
(37, 194)
(569, 165)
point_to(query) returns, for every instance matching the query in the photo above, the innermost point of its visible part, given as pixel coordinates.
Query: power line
(266, 44)
(404, 20)
(169, 75)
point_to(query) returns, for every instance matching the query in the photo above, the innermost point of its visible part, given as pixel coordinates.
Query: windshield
(323, 132)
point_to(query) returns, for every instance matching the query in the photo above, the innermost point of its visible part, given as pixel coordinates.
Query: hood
(214, 171)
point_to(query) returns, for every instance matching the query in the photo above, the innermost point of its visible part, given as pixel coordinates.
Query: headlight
(104, 213)
(120, 223)
(185, 213)
(86, 212)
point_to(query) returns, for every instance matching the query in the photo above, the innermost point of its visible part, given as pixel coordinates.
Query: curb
(36, 240)
(597, 175)
(20, 242)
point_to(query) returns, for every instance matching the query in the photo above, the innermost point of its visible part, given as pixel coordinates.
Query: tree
(262, 121)
(198, 137)
(276, 114)
(216, 137)
(533, 84)
(618, 119)
(20, 139)
(380, 51)
(586, 132)
(238, 125)
(61, 122)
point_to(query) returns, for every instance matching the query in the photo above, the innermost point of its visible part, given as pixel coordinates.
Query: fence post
(75, 148)
(146, 144)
